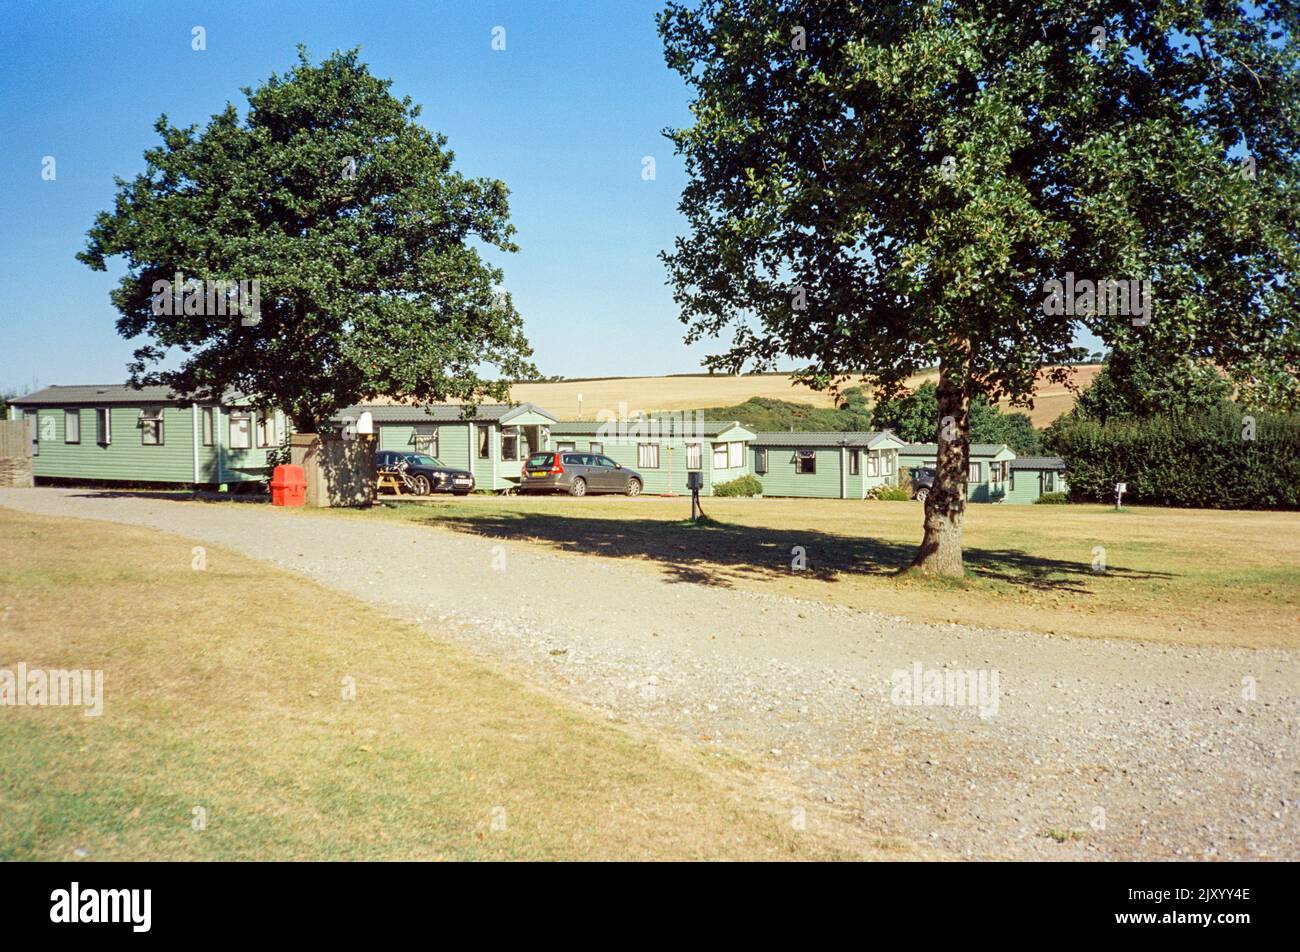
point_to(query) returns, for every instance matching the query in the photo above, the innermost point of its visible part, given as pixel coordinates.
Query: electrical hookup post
(1120, 490)
(695, 482)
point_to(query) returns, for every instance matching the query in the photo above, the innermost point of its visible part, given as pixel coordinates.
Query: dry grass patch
(224, 691)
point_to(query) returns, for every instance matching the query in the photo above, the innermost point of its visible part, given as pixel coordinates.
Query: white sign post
(1120, 490)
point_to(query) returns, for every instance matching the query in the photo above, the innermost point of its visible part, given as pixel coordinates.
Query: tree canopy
(364, 241)
(1133, 386)
(899, 184)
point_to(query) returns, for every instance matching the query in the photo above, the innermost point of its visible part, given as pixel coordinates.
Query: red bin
(288, 486)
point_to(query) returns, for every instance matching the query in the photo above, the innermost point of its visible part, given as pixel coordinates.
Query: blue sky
(564, 116)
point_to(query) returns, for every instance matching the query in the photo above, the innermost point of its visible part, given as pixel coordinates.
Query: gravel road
(1088, 749)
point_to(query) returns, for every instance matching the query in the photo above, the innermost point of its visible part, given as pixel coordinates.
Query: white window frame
(735, 455)
(104, 426)
(245, 439)
(264, 431)
(760, 460)
(873, 464)
(566, 447)
(719, 449)
(647, 456)
(694, 456)
(799, 461)
(975, 472)
(74, 415)
(426, 440)
(887, 467)
(156, 418)
(510, 433)
(597, 448)
(208, 425)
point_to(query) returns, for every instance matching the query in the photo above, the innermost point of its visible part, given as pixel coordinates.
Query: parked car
(922, 479)
(578, 474)
(428, 475)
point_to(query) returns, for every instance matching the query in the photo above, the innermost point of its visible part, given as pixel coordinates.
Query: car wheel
(579, 487)
(422, 486)
(921, 494)
(633, 487)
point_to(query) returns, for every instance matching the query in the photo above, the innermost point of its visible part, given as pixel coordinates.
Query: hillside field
(690, 392)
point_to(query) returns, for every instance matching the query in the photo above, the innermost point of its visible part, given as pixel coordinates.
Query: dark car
(578, 474)
(922, 479)
(428, 475)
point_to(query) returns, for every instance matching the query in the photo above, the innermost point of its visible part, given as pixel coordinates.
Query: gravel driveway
(1088, 749)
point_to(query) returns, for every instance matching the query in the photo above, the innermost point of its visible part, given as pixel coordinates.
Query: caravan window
(151, 428)
(265, 430)
(425, 440)
(104, 425)
(693, 456)
(510, 443)
(241, 430)
(760, 460)
(647, 455)
(71, 426)
(805, 461)
(735, 455)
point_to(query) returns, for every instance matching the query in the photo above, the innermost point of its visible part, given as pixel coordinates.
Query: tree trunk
(945, 505)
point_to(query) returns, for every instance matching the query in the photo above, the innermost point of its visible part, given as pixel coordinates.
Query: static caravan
(117, 433)
(1031, 476)
(663, 449)
(492, 442)
(989, 476)
(824, 465)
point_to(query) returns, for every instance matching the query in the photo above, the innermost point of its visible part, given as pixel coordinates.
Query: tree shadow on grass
(719, 553)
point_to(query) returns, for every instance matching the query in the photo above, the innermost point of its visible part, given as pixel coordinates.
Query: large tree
(1133, 386)
(911, 417)
(881, 187)
(364, 241)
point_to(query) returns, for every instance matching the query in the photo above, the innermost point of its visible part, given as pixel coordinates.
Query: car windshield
(419, 459)
(539, 460)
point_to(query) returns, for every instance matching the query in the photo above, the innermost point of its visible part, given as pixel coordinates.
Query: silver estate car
(578, 474)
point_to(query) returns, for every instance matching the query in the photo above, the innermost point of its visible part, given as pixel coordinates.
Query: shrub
(1052, 499)
(1217, 459)
(742, 486)
(889, 493)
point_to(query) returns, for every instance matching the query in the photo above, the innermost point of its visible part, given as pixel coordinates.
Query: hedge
(1206, 461)
(741, 486)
